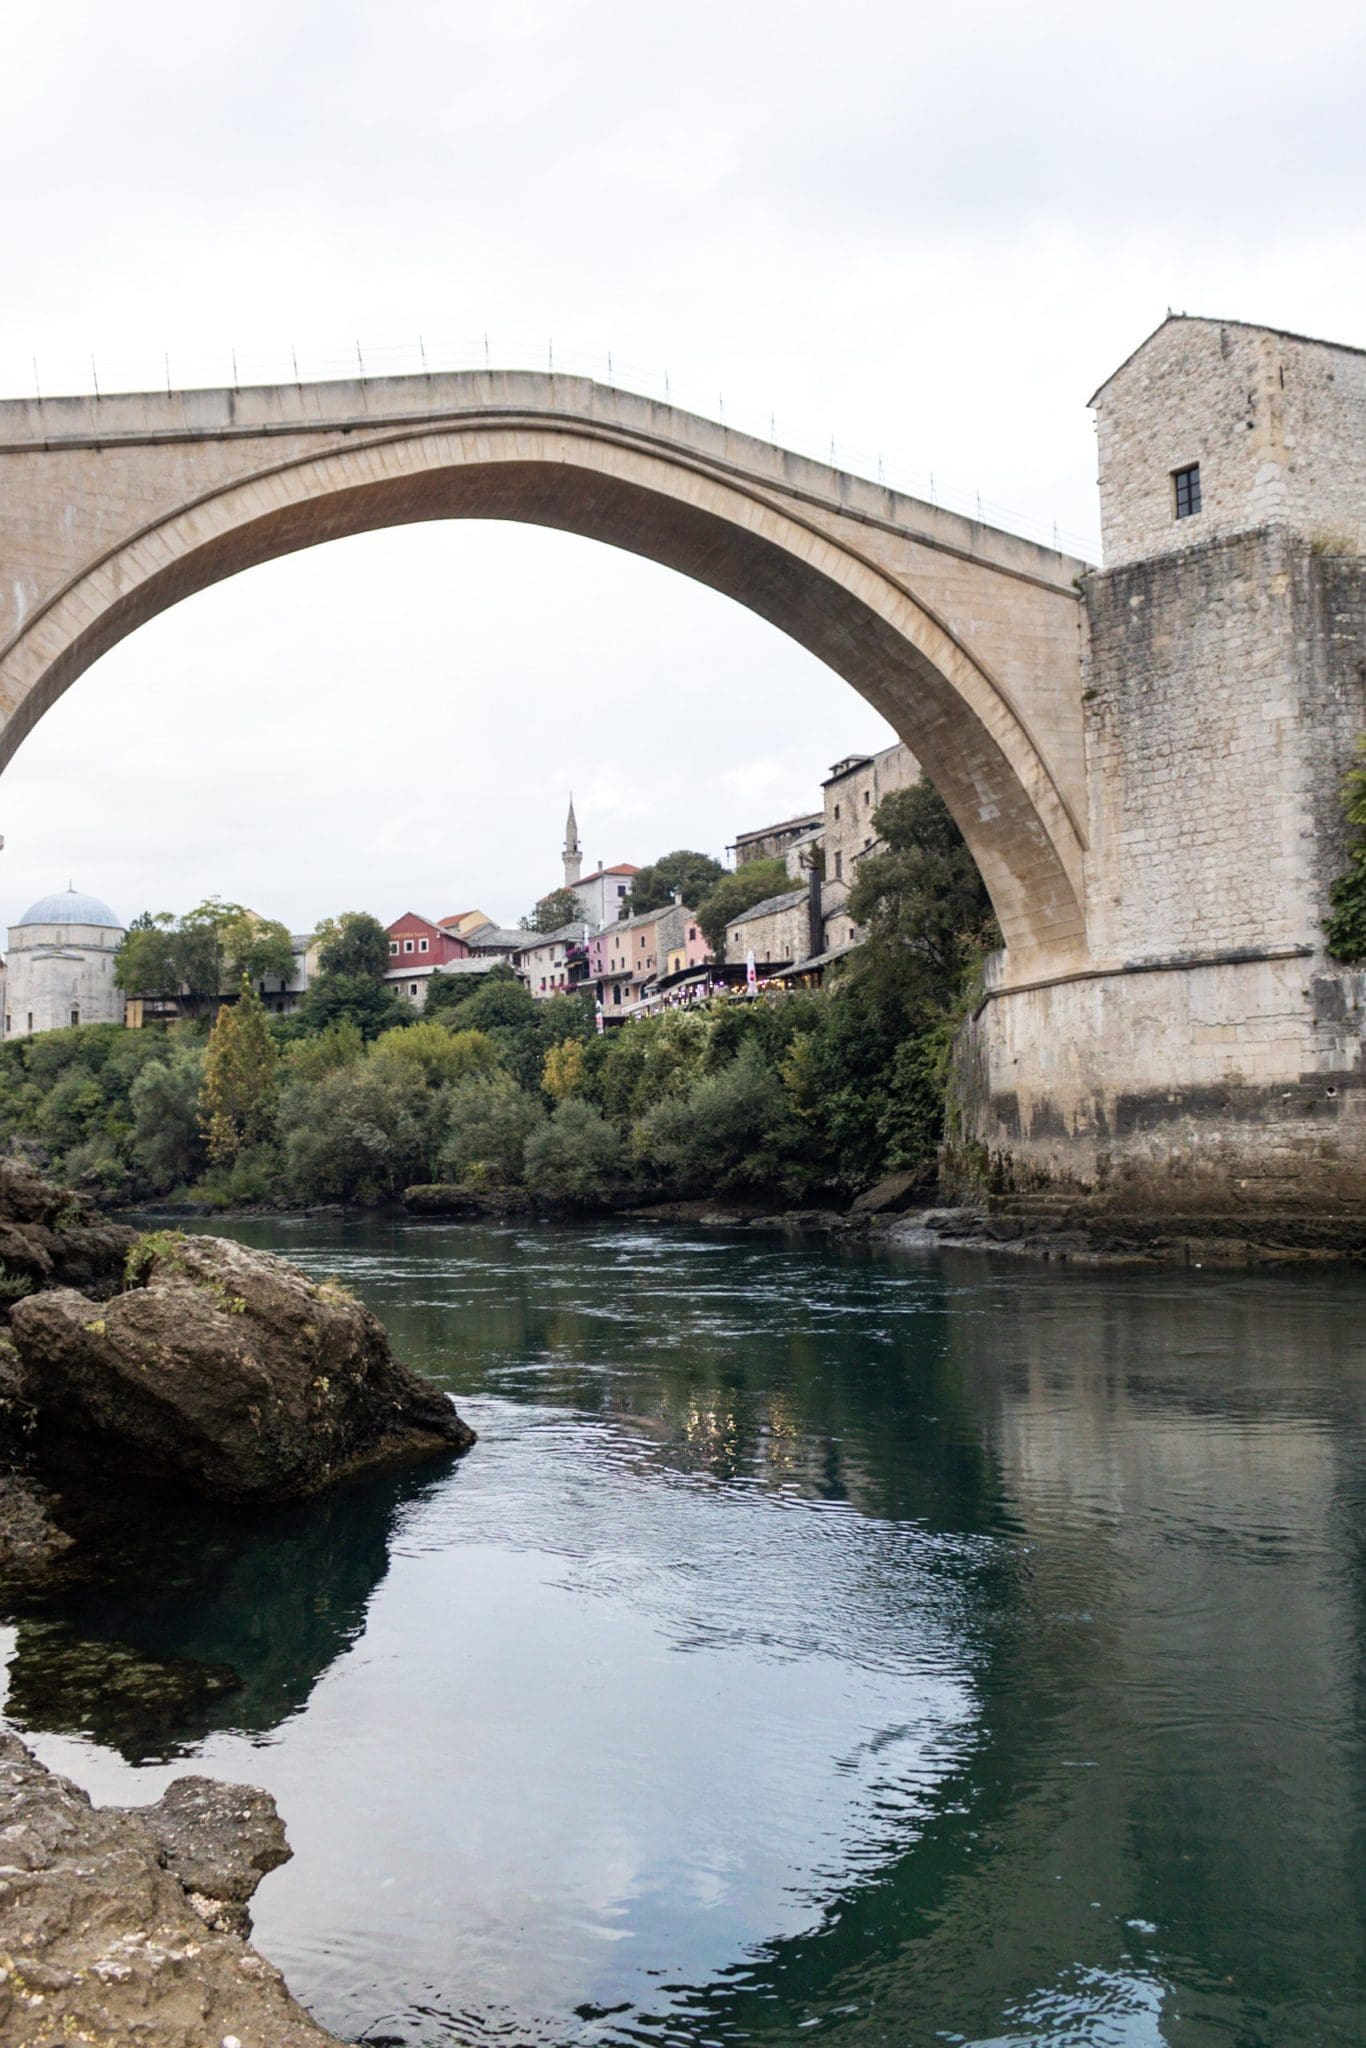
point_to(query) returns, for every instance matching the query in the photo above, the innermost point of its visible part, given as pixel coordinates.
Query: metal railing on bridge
(234, 368)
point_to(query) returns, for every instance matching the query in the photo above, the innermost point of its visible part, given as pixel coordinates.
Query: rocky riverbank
(125, 1924)
(196, 1367)
(900, 1211)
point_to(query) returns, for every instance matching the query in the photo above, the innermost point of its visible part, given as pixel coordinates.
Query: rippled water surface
(903, 1649)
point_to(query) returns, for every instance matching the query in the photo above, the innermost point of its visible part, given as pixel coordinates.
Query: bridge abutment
(1204, 1071)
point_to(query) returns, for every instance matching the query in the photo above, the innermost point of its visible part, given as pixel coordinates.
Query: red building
(417, 948)
(417, 942)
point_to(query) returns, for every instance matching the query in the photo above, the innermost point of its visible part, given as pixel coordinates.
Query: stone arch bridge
(1145, 762)
(966, 639)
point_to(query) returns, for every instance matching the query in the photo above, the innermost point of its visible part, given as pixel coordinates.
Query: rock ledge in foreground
(225, 1370)
(105, 1934)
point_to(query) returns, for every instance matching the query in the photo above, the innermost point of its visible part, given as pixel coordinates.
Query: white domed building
(60, 969)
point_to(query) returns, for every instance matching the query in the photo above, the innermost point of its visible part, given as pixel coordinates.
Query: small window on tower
(1187, 485)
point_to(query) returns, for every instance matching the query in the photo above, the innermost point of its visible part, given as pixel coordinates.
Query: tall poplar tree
(239, 1068)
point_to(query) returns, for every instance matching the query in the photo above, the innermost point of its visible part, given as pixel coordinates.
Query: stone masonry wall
(1210, 1065)
(1276, 422)
(1223, 690)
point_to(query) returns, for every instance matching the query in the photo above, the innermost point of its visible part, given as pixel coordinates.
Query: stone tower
(573, 852)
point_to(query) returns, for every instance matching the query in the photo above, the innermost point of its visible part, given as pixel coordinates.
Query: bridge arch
(766, 549)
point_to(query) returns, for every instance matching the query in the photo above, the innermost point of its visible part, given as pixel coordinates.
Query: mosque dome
(70, 906)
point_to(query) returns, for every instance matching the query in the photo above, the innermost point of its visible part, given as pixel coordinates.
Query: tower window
(1187, 486)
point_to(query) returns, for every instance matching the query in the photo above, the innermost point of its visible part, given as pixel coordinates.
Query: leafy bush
(575, 1154)
(437, 1052)
(166, 1141)
(488, 1122)
(1345, 930)
(735, 1131)
(361, 1134)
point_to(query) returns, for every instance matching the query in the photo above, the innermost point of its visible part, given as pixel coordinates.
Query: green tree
(167, 1143)
(1345, 930)
(694, 874)
(489, 1119)
(553, 912)
(575, 1154)
(338, 1044)
(362, 1133)
(441, 1055)
(147, 962)
(354, 943)
(358, 999)
(927, 913)
(738, 891)
(197, 956)
(735, 1132)
(239, 1071)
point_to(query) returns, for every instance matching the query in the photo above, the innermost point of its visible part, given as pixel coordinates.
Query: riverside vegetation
(353, 1099)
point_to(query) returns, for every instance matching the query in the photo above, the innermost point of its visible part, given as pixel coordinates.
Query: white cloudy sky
(927, 232)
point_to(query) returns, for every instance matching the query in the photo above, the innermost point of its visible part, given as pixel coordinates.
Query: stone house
(777, 931)
(853, 790)
(767, 842)
(1212, 428)
(679, 941)
(553, 963)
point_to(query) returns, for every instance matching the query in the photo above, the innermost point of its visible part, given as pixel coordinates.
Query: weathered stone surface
(227, 1371)
(99, 1940)
(50, 1237)
(219, 1841)
(448, 1198)
(33, 1546)
(897, 1191)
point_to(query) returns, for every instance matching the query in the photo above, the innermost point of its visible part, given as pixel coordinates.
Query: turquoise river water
(892, 1648)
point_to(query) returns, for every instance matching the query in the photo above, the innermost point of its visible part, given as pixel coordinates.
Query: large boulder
(225, 1370)
(112, 1921)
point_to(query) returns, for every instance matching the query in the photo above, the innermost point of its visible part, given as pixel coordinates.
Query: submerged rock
(108, 1933)
(226, 1370)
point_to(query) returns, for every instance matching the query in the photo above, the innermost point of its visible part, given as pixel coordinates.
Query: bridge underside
(107, 527)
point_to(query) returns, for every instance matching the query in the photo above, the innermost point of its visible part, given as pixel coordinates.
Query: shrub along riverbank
(780, 1097)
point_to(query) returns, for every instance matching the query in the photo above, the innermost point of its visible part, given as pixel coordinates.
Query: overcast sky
(926, 232)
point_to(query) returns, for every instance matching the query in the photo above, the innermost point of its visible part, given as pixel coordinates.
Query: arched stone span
(965, 639)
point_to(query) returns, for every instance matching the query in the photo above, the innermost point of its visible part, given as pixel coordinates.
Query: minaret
(573, 852)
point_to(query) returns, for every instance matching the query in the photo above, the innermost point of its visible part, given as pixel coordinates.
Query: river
(897, 1648)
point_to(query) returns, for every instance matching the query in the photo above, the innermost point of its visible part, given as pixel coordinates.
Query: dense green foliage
(694, 875)
(197, 956)
(738, 891)
(354, 943)
(559, 908)
(354, 1099)
(1346, 928)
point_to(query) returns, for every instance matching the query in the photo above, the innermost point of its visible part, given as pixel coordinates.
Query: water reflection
(204, 1619)
(923, 1651)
